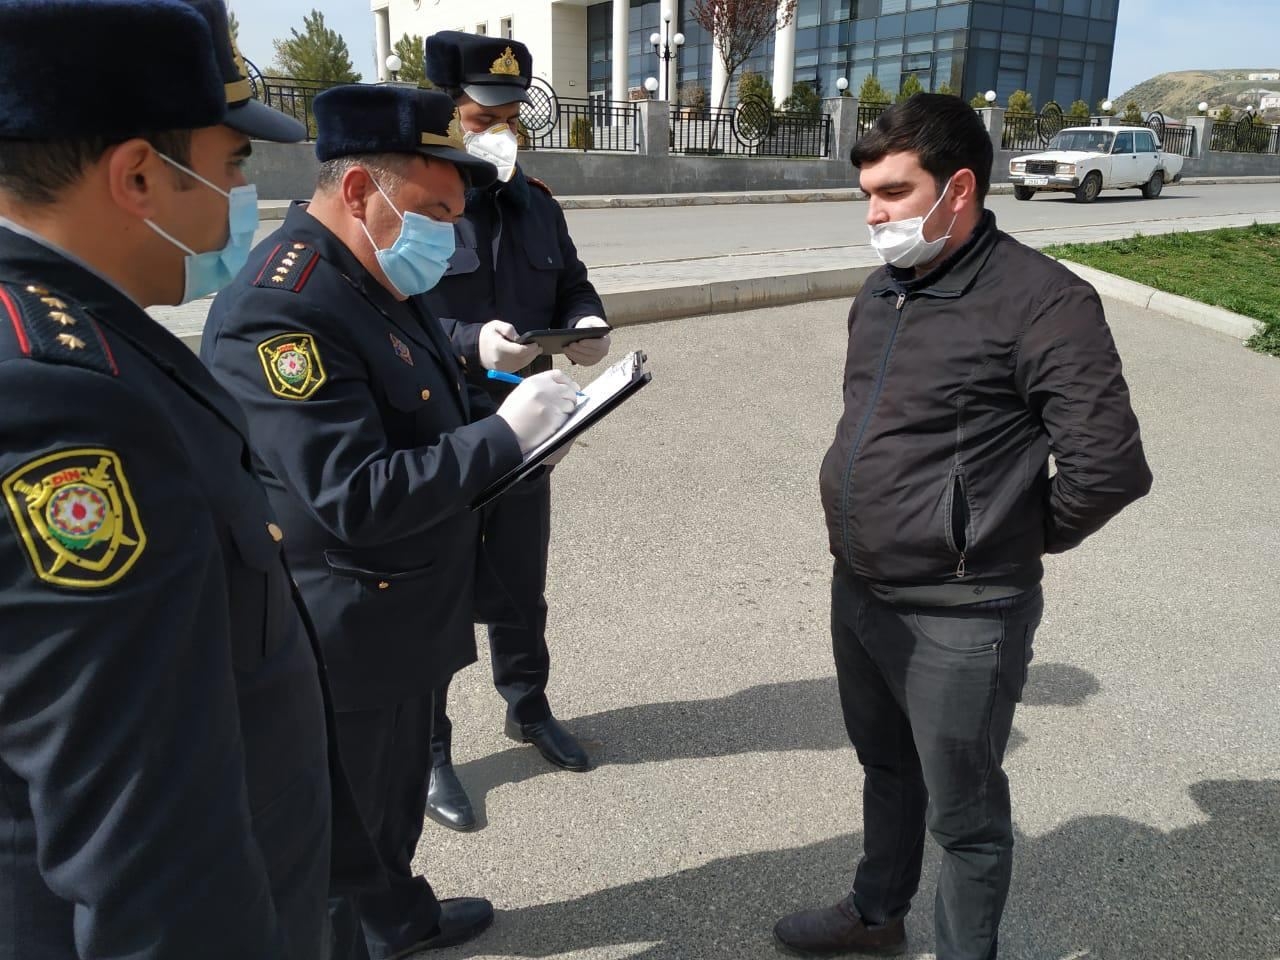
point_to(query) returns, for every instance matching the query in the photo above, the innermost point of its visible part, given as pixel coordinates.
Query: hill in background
(1177, 94)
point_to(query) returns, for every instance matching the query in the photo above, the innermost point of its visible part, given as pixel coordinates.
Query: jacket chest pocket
(419, 410)
(261, 600)
(378, 579)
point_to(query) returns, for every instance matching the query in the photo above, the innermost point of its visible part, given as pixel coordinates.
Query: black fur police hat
(490, 70)
(359, 118)
(72, 69)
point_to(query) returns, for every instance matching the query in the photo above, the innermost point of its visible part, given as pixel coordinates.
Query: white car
(1088, 160)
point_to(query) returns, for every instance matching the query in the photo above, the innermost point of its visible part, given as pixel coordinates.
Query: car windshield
(1084, 141)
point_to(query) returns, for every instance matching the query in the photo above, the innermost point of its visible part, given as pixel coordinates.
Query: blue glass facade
(1056, 49)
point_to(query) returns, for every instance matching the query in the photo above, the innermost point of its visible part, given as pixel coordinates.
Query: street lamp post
(665, 46)
(651, 85)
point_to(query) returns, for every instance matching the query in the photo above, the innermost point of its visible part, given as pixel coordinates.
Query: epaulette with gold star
(289, 267)
(43, 325)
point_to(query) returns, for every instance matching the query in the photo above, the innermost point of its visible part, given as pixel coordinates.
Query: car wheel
(1151, 189)
(1088, 191)
(1023, 193)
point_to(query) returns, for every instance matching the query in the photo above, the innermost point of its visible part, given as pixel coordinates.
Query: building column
(621, 68)
(719, 79)
(667, 68)
(382, 42)
(784, 61)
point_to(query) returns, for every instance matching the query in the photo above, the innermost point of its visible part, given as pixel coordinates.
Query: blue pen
(512, 378)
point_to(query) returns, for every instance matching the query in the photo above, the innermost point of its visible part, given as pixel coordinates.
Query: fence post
(655, 128)
(993, 120)
(844, 126)
(1202, 127)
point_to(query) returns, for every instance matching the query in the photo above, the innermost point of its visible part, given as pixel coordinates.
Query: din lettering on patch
(292, 364)
(76, 517)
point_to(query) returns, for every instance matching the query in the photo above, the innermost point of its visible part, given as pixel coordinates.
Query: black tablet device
(554, 341)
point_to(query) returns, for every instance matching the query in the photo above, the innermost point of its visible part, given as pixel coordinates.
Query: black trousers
(387, 755)
(928, 696)
(510, 598)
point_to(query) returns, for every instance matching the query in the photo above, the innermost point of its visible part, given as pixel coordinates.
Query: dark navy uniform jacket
(361, 419)
(515, 262)
(164, 758)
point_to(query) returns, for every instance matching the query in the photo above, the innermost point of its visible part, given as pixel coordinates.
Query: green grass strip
(1236, 269)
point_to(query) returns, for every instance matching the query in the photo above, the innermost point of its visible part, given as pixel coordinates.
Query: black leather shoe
(838, 930)
(461, 919)
(447, 801)
(553, 741)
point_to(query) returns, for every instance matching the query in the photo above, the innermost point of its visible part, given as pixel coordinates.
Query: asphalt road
(689, 602)
(657, 234)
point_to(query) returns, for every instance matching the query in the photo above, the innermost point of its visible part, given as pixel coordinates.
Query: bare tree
(738, 27)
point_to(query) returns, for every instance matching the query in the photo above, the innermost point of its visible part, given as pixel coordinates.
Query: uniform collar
(48, 244)
(35, 260)
(515, 191)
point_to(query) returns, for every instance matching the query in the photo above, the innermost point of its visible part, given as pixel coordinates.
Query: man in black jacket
(971, 358)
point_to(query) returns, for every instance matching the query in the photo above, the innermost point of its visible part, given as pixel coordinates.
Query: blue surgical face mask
(420, 256)
(209, 272)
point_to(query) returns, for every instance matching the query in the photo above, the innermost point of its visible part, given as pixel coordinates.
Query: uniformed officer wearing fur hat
(516, 269)
(165, 762)
(372, 453)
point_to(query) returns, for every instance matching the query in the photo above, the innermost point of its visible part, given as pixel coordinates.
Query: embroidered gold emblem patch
(455, 127)
(292, 365)
(506, 64)
(76, 517)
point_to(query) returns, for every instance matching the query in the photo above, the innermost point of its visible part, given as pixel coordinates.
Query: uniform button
(426, 394)
(383, 584)
(276, 533)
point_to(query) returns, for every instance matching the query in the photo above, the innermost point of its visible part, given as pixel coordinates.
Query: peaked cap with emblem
(490, 70)
(251, 117)
(359, 119)
(135, 53)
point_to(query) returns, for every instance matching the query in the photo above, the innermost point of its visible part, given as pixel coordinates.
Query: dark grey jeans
(928, 696)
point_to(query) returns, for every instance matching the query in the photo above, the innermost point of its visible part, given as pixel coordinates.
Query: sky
(1152, 36)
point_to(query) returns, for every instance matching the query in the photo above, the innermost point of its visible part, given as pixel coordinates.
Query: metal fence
(1031, 131)
(1244, 136)
(868, 113)
(550, 122)
(751, 129)
(288, 95)
(1174, 137)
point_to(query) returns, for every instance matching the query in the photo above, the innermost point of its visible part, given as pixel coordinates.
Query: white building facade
(1055, 49)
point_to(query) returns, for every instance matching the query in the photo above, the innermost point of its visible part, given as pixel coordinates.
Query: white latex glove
(538, 406)
(499, 352)
(588, 352)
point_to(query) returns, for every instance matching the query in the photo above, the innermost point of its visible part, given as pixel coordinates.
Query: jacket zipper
(866, 420)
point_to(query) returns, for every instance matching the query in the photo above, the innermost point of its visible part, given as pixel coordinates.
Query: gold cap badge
(506, 64)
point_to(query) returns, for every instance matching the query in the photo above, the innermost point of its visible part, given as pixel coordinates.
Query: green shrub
(581, 134)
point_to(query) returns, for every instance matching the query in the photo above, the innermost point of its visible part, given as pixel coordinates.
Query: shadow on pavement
(768, 718)
(1096, 887)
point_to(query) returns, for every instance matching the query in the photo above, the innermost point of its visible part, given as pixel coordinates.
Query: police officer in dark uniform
(515, 270)
(165, 767)
(364, 432)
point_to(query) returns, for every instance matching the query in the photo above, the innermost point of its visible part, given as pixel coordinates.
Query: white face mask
(901, 243)
(498, 145)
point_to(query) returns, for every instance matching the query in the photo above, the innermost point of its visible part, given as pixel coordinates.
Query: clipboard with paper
(600, 397)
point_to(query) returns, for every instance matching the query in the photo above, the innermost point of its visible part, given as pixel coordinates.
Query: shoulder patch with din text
(292, 364)
(75, 515)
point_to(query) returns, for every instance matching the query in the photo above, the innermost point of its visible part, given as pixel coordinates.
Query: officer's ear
(356, 188)
(138, 179)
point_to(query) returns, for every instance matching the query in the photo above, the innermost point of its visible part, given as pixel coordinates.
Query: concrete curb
(1180, 308)
(626, 307)
(276, 209)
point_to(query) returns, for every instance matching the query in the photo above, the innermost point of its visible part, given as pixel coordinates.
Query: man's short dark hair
(943, 131)
(36, 172)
